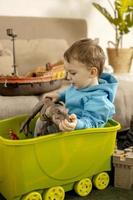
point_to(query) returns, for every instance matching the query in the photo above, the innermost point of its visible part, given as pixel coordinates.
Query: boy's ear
(93, 72)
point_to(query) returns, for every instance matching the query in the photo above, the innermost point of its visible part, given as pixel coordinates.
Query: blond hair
(88, 52)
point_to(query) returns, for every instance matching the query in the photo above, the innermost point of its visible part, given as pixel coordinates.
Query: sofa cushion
(37, 52)
(124, 103)
(6, 65)
(11, 106)
(6, 60)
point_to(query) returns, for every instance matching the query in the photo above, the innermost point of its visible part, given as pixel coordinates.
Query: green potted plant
(122, 20)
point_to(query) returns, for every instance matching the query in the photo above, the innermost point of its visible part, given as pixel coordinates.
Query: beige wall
(98, 26)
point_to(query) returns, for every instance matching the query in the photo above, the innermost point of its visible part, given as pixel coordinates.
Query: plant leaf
(129, 19)
(122, 19)
(122, 6)
(104, 12)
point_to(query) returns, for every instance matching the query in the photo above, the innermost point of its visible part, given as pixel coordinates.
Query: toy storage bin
(123, 168)
(60, 159)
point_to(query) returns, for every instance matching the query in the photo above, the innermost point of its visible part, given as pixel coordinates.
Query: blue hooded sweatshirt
(92, 105)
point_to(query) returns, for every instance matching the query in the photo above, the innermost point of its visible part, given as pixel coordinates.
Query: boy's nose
(68, 76)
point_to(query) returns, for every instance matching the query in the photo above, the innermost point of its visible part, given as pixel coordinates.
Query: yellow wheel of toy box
(54, 193)
(83, 187)
(101, 180)
(32, 196)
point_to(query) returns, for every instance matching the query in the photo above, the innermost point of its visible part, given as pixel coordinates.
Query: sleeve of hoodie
(96, 112)
(62, 95)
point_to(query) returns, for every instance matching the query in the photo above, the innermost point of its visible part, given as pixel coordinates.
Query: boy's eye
(73, 73)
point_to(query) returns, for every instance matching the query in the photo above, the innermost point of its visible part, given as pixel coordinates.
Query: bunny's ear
(131, 123)
(60, 103)
(48, 101)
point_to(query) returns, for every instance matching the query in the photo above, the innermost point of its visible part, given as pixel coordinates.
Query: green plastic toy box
(45, 167)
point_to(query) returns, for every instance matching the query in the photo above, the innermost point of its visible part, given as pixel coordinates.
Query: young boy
(91, 94)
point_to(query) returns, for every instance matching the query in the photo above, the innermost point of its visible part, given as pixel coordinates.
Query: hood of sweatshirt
(107, 83)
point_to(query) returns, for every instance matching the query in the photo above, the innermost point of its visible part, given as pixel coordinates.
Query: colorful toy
(29, 85)
(48, 166)
(13, 135)
(123, 164)
(43, 79)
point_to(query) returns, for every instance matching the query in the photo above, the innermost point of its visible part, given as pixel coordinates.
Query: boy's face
(79, 75)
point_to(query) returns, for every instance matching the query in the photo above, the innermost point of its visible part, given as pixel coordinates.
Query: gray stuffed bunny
(51, 113)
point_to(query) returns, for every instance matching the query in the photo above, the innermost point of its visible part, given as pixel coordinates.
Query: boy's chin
(76, 86)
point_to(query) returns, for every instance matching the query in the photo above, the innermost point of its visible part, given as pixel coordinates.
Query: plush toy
(51, 113)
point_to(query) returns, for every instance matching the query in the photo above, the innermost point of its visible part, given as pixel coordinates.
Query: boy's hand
(70, 125)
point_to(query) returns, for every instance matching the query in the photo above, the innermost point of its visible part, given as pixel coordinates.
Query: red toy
(13, 135)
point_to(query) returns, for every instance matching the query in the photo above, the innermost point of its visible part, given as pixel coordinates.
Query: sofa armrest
(124, 100)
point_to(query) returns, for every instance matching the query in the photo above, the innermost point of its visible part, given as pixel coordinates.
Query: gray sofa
(42, 40)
